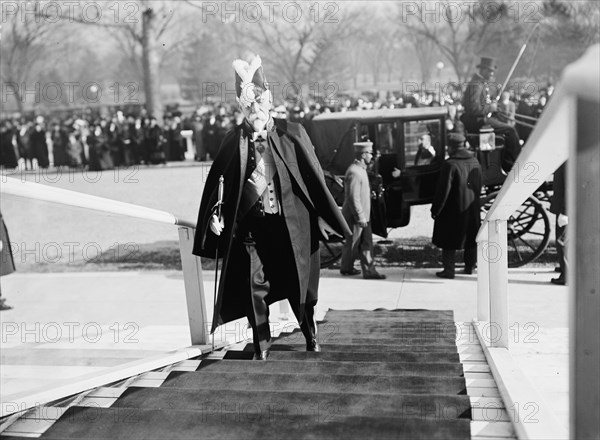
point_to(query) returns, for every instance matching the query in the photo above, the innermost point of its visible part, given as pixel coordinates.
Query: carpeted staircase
(381, 374)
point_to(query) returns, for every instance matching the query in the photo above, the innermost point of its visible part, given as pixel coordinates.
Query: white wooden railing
(192, 269)
(568, 128)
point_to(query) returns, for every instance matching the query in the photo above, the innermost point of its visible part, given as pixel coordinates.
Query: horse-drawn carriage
(398, 136)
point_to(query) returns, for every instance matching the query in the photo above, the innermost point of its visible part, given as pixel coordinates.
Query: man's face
(257, 110)
(486, 73)
(368, 156)
(425, 140)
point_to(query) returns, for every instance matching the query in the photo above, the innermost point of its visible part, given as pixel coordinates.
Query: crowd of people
(121, 140)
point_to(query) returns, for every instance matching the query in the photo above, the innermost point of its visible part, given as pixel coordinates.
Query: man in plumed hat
(357, 212)
(480, 108)
(455, 207)
(275, 209)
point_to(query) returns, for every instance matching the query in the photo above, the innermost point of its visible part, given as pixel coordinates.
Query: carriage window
(386, 138)
(422, 142)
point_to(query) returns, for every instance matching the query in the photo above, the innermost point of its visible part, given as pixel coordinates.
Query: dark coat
(39, 147)
(8, 157)
(455, 205)
(558, 205)
(304, 198)
(60, 147)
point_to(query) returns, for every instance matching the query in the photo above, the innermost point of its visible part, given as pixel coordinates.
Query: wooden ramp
(402, 374)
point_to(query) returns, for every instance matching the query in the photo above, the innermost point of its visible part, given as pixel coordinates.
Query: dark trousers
(512, 144)
(449, 259)
(273, 277)
(361, 244)
(561, 237)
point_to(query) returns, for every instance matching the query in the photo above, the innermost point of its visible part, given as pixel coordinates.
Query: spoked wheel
(528, 230)
(331, 251)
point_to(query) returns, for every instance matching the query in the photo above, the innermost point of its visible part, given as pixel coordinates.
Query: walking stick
(217, 207)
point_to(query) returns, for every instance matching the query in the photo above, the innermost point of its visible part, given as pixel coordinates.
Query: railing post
(497, 255)
(194, 287)
(190, 153)
(583, 240)
(483, 282)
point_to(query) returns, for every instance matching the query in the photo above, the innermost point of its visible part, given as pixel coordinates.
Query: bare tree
(302, 50)
(24, 45)
(459, 32)
(139, 29)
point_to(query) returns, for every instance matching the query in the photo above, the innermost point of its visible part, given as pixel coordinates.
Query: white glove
(562, 220)
(217, 226)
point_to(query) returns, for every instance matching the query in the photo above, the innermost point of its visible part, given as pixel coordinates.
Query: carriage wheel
(528, 230)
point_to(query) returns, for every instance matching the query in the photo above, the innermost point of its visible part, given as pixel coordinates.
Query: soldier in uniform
(480, 108)
(275, 208)
(357, 212)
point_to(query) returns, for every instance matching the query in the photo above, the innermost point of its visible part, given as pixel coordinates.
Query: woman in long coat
(455, 206)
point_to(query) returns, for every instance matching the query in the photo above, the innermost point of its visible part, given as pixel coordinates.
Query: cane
(217, 207)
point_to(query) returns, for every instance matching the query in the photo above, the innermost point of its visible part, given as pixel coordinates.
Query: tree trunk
(151, 63)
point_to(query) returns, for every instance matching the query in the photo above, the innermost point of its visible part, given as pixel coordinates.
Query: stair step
(358, 348)
(127, 423)
(316, 383)
(283, 403)
(349, 340)
(384, 320)
(427, 357)
(325, 367)
(440, 314)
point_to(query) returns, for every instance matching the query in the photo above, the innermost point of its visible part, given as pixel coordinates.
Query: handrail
(191, 265)
(37, 191)
(567, 128)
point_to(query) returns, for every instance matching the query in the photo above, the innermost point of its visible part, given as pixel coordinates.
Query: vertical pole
(483, 282)
(194, 287)
(583, 187)
(190, 151)
(497, 255)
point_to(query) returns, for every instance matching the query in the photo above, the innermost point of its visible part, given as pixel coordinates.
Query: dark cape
(304, 198)
(455, 206)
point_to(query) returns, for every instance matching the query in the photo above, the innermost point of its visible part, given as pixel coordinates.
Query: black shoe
(444, 274)
(560, 281)
(3, 305)
(313, 345)
(351, 272)
(469, 270)
(374, 276)
(262, 356)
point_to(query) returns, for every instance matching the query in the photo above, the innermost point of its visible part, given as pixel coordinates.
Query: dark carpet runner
(382, 374)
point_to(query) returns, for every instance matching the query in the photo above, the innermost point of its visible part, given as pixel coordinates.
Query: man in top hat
(357, 212)
(481, 109)
(455, 207)
(275, 209)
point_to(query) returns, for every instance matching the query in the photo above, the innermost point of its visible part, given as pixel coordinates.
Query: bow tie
(259, 136)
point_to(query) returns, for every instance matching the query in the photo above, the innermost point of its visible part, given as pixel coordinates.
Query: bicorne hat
(488, 63)
(249, 72)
